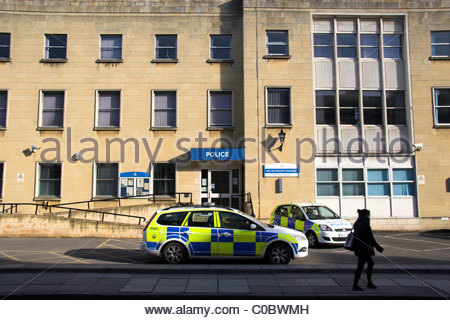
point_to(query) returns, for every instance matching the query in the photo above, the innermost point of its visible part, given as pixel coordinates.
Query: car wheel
(312, 239)
(278, 253)
(174, 253)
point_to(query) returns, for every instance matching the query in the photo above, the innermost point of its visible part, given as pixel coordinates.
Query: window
(164, 179)
(166, 47)
(440, 44)
(442, 106)
(165, 109)
(403, 182)
(2, 167)
(108, 109)
(395, 104)
(277, 43)
(203, 219)
(325, 107)
(278, 106)
(221, 47)
(327, 182)
(172, 219)
(392, 46)
(378, 182)
(353, 188)
(111, 47)
(5, 43)
(49, 180)
(323, 45)
(55, 46)
(349, 106)
(233, 221)
(372, 107)
(220, 108)
(52, 109)
(3, 108)
(369, 46)
(106, 179)
(346, 45)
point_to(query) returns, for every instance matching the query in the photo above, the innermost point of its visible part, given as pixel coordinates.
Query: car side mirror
(253, 226)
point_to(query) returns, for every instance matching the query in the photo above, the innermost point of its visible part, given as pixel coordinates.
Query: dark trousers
(361, 261)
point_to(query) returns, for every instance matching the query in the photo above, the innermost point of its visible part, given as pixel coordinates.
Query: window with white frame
(395, 105)
(49, 180)
(220, 109)
(164, 179)
(326, 107)
(164, 109)
(372, 107)
(108, 109)
(327, 182)
(220, 47)
(277, 42)
(440, 44)
(2, 168)
(166, 47)
(349, 106)
(278, 102)
(55, 46)
(106, 179)
(52, 109)
(5, 44)
(3, 108)
(441, 101)
(111, 47)
(403, 182)
(378, 182)
(352, 182)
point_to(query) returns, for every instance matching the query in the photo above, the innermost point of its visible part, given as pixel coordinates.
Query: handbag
(349, 241)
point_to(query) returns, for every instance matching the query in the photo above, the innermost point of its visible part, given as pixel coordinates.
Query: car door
(236, 238)
(200, 230)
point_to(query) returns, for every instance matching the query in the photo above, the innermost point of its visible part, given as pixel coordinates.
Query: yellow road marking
(9, 256)
(62, 256)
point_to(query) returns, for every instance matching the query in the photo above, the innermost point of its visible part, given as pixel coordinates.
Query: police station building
(246, 104)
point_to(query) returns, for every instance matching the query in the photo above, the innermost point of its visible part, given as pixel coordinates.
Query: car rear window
(172, 218)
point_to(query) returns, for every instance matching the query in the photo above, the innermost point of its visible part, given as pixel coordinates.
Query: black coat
(364, 242)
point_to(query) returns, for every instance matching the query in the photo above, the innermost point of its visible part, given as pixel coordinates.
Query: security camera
(417, 146)
(34, 148)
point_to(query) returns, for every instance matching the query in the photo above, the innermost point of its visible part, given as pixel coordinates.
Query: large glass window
(220, 108)
(325, 107)
(440, 44)
(442, 106)
(279, 106)
(277, 43)
(349, 106)
(108, 109)
(55, 46)
(403, 182)
(3, 108)
(372, 107)
(49, 180)
(106, 179)
(327, 182)
(378, 182)
(395, 104)
(5, 44)
(166, 47)
(164, 179)
(353, 182)
(221, 47)
(165, 109)
(369, 46)
(323, 45)
(111, 47)
(52, 112)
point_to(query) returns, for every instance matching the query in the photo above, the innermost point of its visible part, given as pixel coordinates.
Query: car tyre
(312, 239)
(278, 253)
(174, 253)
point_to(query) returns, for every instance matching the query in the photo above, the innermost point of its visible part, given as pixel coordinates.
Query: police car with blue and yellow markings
(319, 223)
(178, 233)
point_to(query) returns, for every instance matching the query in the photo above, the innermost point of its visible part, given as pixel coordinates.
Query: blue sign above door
(217, 154)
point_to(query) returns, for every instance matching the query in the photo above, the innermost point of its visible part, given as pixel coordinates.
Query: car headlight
(324, 227)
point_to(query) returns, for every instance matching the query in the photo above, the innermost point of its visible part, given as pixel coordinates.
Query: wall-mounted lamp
(281, 136)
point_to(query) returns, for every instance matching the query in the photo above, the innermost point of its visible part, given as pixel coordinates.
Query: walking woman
(363, 244)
